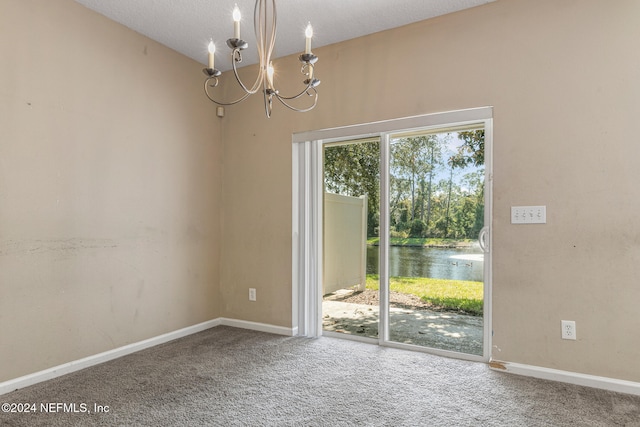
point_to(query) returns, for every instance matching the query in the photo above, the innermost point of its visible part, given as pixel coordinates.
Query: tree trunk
(432, 167)
(446, 223)
(413, 189)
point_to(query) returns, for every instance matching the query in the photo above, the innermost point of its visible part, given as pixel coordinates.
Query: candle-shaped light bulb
(236, 22)
(212, 51)
(310, 72)
(308, 33)
(270, 74)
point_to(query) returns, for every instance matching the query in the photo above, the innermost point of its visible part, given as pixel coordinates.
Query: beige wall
(563, 80)
(109, 187)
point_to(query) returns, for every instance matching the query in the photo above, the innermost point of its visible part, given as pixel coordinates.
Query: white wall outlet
(252, 294)
(568, 329)
(528, 214)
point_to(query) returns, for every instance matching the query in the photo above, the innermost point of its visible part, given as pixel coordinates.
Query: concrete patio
(423, 327)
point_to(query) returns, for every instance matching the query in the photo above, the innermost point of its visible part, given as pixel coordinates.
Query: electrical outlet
(252, 294)
(568, 329)
(528, 214)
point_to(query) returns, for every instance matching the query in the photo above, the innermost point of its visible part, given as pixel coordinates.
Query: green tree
(398, 191)
(354, 170)
(447, 215)
(474, 182)
(471, 152)
(414, 162)
(421, 204)
(435, 154)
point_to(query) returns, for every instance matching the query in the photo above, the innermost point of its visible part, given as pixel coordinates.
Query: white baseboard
(605, 383)
(262, 327)
(76, 365)
(96, 359)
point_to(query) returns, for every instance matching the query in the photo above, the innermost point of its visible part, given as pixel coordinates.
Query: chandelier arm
(304, 91)
(259, 27)
(311, 84)
(266, 39)
(206, 92)
(256, 26)
(256, 84)
(274, 27)
(299, 110)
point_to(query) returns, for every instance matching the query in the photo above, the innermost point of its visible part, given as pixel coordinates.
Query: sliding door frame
(307, 191)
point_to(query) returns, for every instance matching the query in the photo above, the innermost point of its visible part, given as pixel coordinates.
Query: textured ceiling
(187, 25)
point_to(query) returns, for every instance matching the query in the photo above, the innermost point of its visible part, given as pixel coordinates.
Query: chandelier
(265, 25)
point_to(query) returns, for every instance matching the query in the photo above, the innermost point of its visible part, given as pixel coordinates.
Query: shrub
(417, 228)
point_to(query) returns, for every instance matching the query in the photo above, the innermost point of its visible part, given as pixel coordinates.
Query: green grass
(456, 295)
(422, 241)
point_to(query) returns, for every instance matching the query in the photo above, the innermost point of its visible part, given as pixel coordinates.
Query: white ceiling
(187, 25)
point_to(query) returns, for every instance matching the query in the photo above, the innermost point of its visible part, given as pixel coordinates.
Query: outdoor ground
(411, 321)
(371, 297)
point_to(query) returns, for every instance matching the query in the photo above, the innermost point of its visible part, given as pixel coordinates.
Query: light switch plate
(528, 214)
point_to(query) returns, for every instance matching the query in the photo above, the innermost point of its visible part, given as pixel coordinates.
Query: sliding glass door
(396, 218)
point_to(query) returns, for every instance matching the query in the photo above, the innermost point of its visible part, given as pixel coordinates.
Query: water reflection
(440, 263)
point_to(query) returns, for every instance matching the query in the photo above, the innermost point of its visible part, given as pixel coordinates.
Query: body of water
(440, 263)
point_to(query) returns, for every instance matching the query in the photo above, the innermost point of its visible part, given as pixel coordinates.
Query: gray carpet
(234, 377)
